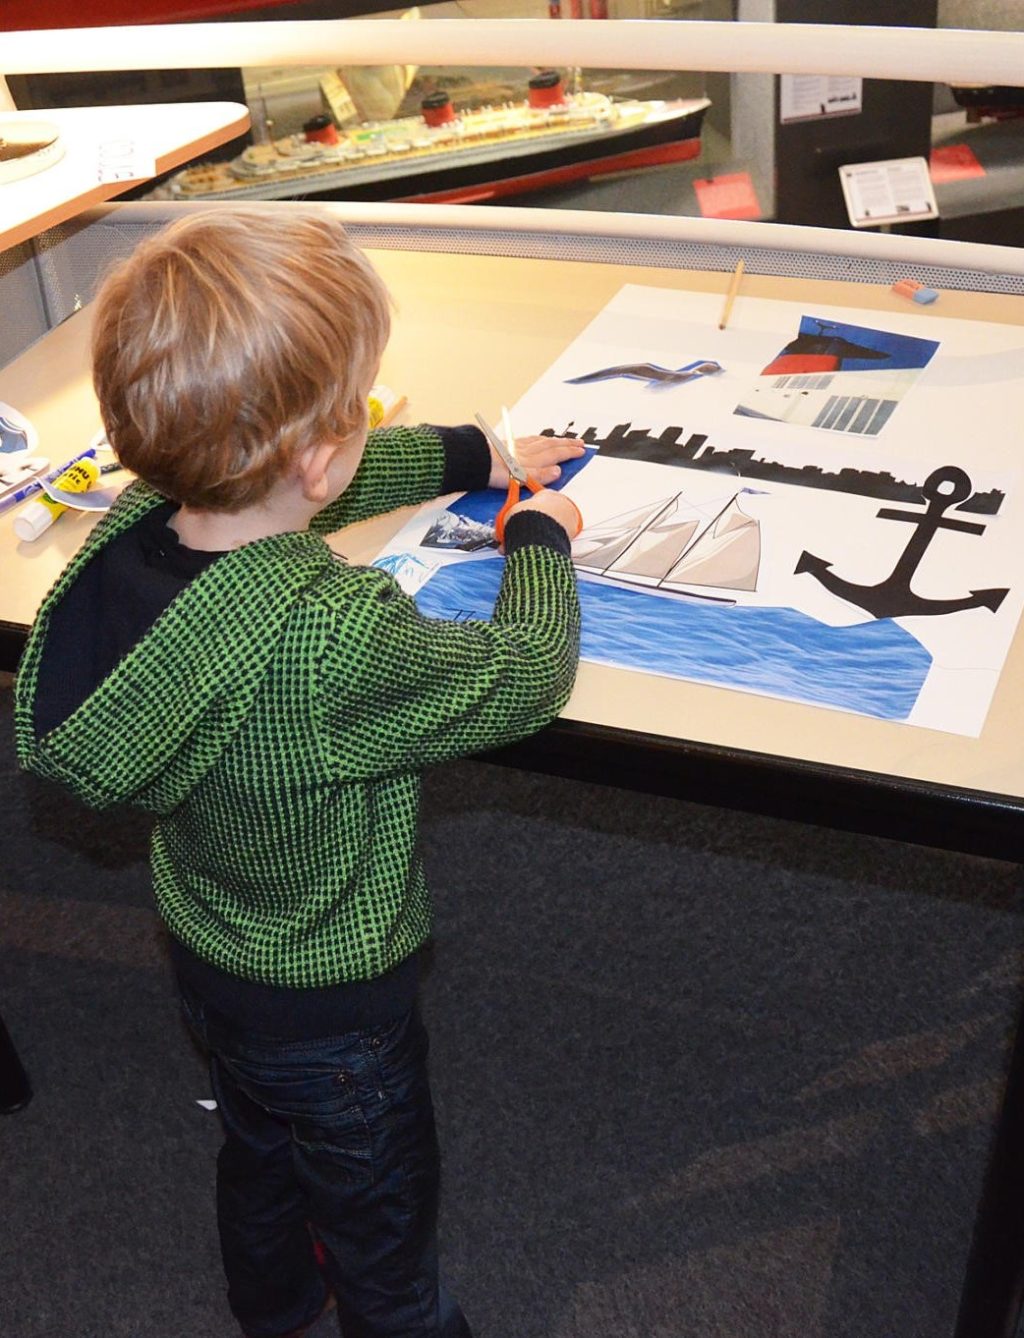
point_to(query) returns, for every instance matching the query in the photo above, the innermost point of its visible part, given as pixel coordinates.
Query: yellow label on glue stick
(40, 514)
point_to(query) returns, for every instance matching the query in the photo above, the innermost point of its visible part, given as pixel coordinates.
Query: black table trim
(977, 822)
(920, 812)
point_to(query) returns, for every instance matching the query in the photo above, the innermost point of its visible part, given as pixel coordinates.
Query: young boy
(207, 658)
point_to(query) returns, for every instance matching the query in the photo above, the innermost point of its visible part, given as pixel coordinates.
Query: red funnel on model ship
(546, 90)
(320, 130)
(437, 109)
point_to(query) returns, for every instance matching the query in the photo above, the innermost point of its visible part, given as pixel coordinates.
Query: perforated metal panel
(72, 259)
(23, 315)
(684, 255)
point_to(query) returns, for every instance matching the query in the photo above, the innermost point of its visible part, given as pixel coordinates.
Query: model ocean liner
(445, 154)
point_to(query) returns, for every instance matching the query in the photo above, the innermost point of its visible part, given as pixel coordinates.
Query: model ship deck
(489, 143)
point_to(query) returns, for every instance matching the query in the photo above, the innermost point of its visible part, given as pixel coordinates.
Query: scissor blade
(503, 452)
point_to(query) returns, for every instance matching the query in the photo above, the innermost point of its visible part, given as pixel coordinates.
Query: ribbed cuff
(534, 527)
(467, 459)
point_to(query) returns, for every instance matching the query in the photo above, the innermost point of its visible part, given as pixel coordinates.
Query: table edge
(841, 798)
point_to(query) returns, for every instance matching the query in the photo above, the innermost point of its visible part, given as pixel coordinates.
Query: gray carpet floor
(698, 1074)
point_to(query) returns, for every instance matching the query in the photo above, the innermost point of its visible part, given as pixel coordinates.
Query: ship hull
(495, 171)
(630, 150)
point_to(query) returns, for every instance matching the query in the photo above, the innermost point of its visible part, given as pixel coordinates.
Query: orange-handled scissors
(517, 475)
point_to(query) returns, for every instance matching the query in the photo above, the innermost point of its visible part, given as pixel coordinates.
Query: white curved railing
(940, 55)
(521, 222)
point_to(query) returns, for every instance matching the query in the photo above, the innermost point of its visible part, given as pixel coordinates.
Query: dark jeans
(335, 1137)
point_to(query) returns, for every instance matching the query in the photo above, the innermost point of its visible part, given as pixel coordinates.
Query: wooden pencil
(730, 296)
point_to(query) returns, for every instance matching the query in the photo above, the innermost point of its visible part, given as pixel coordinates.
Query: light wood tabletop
(472, 332)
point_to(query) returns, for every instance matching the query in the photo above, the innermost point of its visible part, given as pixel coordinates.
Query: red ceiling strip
(19, 15)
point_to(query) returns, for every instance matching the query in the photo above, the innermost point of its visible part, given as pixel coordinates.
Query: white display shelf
(95, 138)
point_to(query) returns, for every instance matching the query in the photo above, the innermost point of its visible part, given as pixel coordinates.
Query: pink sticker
(730, 196)
(953, 162)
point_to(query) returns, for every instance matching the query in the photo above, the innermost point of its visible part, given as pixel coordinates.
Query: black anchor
(893, 597)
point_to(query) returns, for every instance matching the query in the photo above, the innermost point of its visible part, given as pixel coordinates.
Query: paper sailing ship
(665, 545)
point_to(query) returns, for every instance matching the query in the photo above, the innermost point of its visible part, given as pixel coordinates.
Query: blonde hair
(230, 341)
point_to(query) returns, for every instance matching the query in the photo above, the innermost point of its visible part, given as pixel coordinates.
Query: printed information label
(898, 190)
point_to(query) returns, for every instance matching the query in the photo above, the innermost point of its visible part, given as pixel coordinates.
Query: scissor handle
(579, 518)
(510, 502)
(513, 498)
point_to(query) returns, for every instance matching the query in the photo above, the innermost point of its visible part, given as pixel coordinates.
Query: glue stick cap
(30, 523)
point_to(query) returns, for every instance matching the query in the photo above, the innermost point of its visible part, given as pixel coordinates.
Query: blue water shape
(484, 504)
(874, 668)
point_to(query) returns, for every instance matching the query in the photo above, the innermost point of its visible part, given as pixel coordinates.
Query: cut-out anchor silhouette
(893, 597)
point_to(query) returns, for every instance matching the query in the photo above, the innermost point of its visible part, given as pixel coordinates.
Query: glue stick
(39, 515)
(376, 412)
(383, 405)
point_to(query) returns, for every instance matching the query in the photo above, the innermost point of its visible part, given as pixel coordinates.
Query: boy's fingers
(550, 454)
(571, 450)
(551, 444)
(565, 444)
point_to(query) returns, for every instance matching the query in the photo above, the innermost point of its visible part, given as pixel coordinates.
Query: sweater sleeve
(399, 692)
(402, 466)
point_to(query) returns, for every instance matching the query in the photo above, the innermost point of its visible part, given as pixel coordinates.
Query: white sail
(727, 554)
(656, 547)
(598, 546)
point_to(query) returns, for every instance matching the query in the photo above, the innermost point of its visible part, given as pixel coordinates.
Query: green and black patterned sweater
(276, 717)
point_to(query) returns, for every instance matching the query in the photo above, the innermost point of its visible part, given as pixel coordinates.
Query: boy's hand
(551, 504)
(539, 456)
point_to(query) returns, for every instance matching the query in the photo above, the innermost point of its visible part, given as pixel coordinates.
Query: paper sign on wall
(808, 97)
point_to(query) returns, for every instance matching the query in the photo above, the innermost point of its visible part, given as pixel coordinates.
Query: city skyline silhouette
(625, 442)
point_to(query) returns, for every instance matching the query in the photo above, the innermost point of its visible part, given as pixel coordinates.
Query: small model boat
(993, 102)
(443, 154)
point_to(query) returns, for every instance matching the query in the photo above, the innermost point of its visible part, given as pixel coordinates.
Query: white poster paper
(785, 555)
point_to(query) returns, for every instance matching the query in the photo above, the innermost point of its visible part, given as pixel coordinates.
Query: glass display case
(978, 139)
(439, 133)
(445, 134)
(678, 142)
